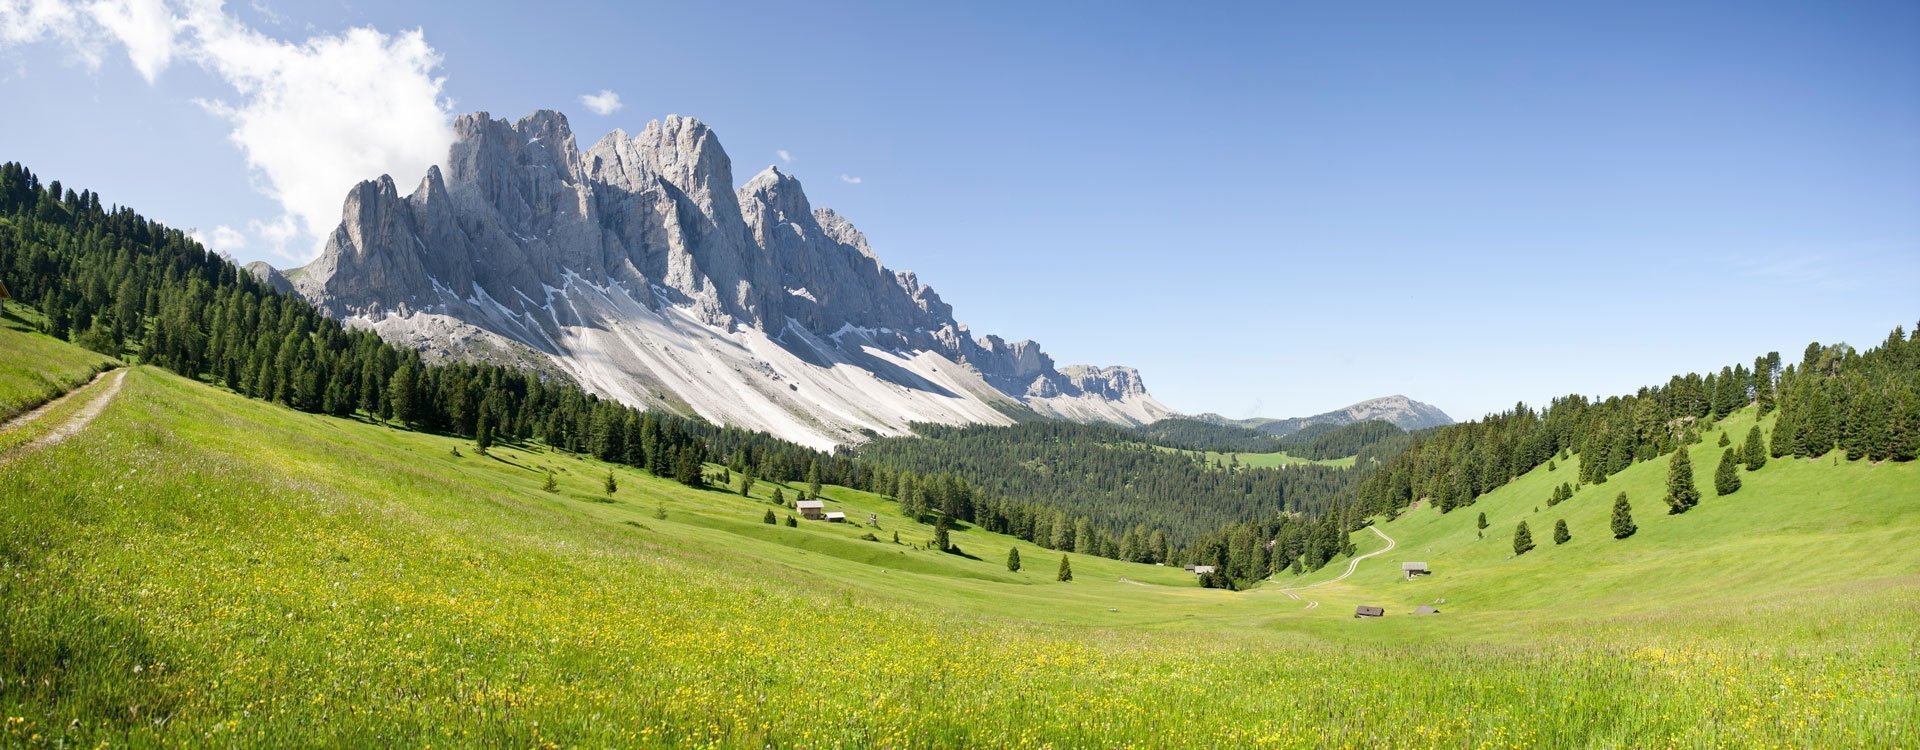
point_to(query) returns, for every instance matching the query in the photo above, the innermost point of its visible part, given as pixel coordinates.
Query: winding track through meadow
(1352, 565)
(102, 396)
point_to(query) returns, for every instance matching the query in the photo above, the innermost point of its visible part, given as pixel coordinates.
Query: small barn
(1200, 570)
(1411, 569)
(811, 509)
(836, 517)
(1426, 610)
(1368, 610)
(1187, 567)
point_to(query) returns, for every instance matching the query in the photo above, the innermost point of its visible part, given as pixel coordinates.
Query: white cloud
(313, 118)
(785, 156)
(850, 179)
(604, 103)
(144, 27)
(223, 239)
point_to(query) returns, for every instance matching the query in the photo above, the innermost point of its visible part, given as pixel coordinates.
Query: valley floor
(201, 569)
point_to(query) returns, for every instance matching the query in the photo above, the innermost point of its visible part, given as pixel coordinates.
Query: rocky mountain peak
(640, 270)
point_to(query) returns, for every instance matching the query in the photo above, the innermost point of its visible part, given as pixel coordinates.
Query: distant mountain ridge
(638, 270)
(1402, 412)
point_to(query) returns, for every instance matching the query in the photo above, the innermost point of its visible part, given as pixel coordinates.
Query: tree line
(1836, 398)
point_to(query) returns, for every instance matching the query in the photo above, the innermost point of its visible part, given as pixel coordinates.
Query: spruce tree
(769, 518)
(1682, 495)
(483, 435)
(611, 485)
(1483, 520)
(550, 485)
(813, 481)
(940, 541)
(1066, 569)
(779, 498)
(746, 483)
(1623, 518)
(1522, 539)
(1560, 533)
(1724, 440)
(1013, 559)
(1755, 451)
(1726, 479)
(791, 522)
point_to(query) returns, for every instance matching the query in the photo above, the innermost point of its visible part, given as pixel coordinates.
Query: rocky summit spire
(640, 272)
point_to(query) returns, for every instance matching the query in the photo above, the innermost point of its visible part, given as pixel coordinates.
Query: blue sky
(1270, 208)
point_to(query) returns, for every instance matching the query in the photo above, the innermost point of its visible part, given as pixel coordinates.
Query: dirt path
(75, 423)
(1352, 565)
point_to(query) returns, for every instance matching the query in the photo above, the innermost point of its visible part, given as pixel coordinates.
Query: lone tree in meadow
(1483, 520)
(769, 519)
(1066, 569)
(792, 522)
(1681, 494)
(551, 485)
(612, 486)
(1013, 559)
(746, 483)
(779, 498)
(1726, 479)
(1724, 440)
(482, 435)
(1560, 533)
(1623, 518)
(940, 541)
(1755, 450)
(1522, 539)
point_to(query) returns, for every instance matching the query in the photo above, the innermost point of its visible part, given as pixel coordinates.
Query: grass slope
(35, 367)
(198, 568)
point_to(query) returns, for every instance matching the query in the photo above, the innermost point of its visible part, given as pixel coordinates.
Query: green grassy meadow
(35, 368)
(197, 568)
(1268, 460)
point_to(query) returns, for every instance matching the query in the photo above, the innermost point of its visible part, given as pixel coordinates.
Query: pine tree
(1682, 495)
(813, 481)
(483, 435)
(779, 498)
(1483, 520)
(769, 518)
(550, 485)
(940, 541)
(792, 522)
(687, 469)
(1755, 451)
(1522, 539)
(612, 486)
(1013, 559)
(1726, 479)
(660, 512)
(746, 483)
(1623, 518)
(1724, 440)
(1066, 569)
(1560, 533)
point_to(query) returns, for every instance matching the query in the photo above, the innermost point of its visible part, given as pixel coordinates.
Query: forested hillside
(1192, 434)
(1107, 475)
(1865, 405)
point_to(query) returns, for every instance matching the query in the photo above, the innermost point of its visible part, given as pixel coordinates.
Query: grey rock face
(646, 277)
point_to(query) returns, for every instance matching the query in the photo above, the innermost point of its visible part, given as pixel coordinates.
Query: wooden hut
(811, 510)
(1368, 610)
(1411, 569)
(836, 517)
